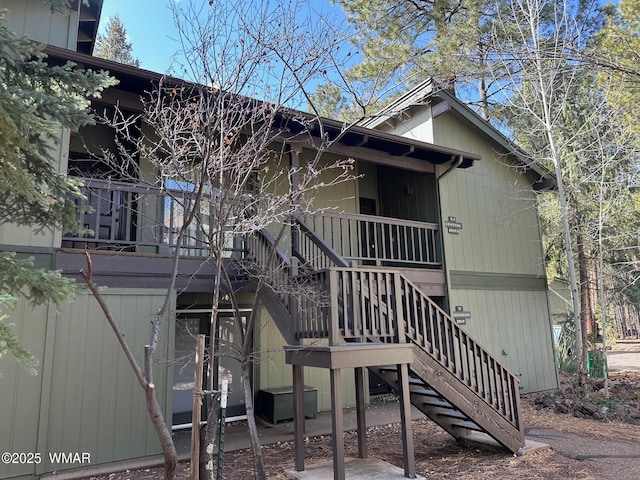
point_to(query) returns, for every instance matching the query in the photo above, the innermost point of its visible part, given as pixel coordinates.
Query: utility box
(276, 404)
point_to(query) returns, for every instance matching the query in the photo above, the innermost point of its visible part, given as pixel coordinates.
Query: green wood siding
(494, 265)
(85, 397)
(35, 20)
(96, 404)
(500, 225)
(514, 326)
(20, 398)
(14, 235)
(272, 371)
(341, 196)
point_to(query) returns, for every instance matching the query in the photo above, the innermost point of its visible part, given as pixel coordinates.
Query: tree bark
(162, 432)
(585, 289)
(251, 422)
(208, 443)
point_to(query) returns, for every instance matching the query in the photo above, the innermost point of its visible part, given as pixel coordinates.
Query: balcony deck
(142, 221)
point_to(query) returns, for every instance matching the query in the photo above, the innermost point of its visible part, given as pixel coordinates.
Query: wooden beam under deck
(357, 356)
(348, 355)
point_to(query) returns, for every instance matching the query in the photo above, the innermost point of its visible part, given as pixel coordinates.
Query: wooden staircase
(453, 380)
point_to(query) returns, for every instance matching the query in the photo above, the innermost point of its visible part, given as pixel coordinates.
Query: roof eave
(350, 136)
(546, 179)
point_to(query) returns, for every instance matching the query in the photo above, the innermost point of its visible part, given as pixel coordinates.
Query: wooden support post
(334, 327)
(405, 415)
(337, 420)
(360, 413)
(197, 406)
(298, 416)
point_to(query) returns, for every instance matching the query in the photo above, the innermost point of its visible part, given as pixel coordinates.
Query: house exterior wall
(29, 239)
(85, 397)
(35, 20)
(272, 371)
(494, 265)
(414, 123)
(21, 392)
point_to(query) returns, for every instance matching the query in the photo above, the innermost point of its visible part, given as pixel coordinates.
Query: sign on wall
(453, 226)
(460, 315)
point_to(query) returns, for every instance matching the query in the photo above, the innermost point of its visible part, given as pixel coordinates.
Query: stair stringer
(464, 400)
(280, 315)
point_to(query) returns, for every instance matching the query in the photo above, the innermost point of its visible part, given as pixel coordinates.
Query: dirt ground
(616, 446)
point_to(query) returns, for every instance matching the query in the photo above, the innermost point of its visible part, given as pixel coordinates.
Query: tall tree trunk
(208, 444)
(251, 421)
(585, 289)
(162, 432)
(482, 82)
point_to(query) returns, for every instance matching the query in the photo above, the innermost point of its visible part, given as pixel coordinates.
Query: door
(407, 195)
(188, 325)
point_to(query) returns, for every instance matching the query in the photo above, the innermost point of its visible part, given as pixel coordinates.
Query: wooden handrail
(430, 327)
(312, 250)
(373, 240)
(383, 305)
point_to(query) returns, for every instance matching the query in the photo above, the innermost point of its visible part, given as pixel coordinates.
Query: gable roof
(427, 93)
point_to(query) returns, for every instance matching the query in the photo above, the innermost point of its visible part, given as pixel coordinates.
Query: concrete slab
(355, 468)
(531, 446)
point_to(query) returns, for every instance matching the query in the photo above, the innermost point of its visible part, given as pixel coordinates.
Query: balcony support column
(298, 416)
(360, 413)
(405, 415)
(337, 424)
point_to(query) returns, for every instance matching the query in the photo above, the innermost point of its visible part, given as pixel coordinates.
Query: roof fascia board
(337, 127)
(414, 96)
(493, 133)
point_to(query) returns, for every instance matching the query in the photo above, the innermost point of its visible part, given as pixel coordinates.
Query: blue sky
(151, 31)
(150, 28)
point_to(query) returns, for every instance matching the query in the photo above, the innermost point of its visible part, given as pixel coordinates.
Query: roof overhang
(89, 19)
(442, 101)
(357, 141)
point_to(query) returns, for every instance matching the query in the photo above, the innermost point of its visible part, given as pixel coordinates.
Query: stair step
(453, 414)
(438, 404)
(424, 391)
(467, 426)
(388, 369)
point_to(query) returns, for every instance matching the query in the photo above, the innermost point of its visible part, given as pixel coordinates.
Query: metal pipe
(455, 164)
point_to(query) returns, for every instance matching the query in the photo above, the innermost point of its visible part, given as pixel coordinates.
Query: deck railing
(311, 250)
(428, 326)
(381, 241)
(359, 306)
(382, 305)
(116, 215)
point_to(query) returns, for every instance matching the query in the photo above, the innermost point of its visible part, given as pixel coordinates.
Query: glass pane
(185, 347)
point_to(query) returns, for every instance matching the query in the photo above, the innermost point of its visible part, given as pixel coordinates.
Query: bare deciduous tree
(560, 115)
(224, 148)
(542, 76)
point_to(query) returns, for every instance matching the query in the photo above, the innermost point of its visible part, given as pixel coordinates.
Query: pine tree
(36, 102)
(113, 45)
(618, 49)
(404, 42)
